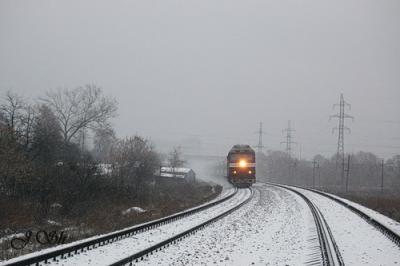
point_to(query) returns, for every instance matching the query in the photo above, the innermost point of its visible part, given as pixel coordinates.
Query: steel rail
(71, 249)
(389, 233)
(329, 250)
(172, 240)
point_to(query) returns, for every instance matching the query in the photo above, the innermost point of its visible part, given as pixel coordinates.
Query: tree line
(45, 156)
(362, 171)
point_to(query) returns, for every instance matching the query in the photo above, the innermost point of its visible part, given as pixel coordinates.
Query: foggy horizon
(208, 72)
(120, 123)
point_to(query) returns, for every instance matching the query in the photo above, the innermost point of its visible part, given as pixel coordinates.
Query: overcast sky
(211, 70)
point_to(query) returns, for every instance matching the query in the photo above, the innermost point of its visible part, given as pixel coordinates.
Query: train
(241, 166)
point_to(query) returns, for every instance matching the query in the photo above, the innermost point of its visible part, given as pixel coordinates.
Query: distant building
(178, 172)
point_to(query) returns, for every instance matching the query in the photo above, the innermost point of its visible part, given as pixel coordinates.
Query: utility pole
(313, 172)
(294, 169)
(382, 170)
(289, 141)
(300, 152)
(341, 128)
(319, 176)
(260, 141)
(347, 172)
(260, 148)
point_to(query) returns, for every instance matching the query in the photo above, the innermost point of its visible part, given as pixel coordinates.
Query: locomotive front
(241, 166)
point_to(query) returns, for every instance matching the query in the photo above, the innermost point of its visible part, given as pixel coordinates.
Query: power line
(260, 133)
(314, 163)
(289, 141)
(347, 173)
(341, 127)
(342, 116)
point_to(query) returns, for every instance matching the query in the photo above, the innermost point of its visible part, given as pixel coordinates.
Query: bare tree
(17, 115)
(15, 168)
(2, 121)
(80, 108)
(12, 109)
(175, 158)
(134, 160)
(104, 141)
(46, 137)
(26, 127)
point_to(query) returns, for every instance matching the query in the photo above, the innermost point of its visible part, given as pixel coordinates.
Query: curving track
(330, 253)
(274, 228)
(361, 240)
(134, 243)
(387, 226)
(272, 225)
(283, 225)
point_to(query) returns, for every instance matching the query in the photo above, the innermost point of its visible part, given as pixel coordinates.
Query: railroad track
(140, 255)
(381, 227)
(62, 254)
(385, 230)
(395, 237)
(330, 253)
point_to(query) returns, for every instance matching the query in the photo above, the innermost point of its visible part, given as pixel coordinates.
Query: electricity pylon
(341, 128)
(260, 133)
(289, 141)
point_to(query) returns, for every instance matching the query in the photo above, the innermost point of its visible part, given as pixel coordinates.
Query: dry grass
(101, 216)
(387, 204)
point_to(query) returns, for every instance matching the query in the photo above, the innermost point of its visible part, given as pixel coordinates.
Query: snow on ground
(274, 228)
(359, 242)
(389, 223)
(225, 192)
(133, 210)
(110, 253)
(53, 222)
(9, 237)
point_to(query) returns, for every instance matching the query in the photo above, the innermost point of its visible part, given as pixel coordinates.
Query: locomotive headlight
(242, 163)
(250, 172)
(234, 172)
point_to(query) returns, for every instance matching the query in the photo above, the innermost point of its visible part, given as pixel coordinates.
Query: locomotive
(241, 166)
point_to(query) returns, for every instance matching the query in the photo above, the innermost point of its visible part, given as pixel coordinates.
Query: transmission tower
(342, 116)
(289, 141)
(341, 127)
(260, 142)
